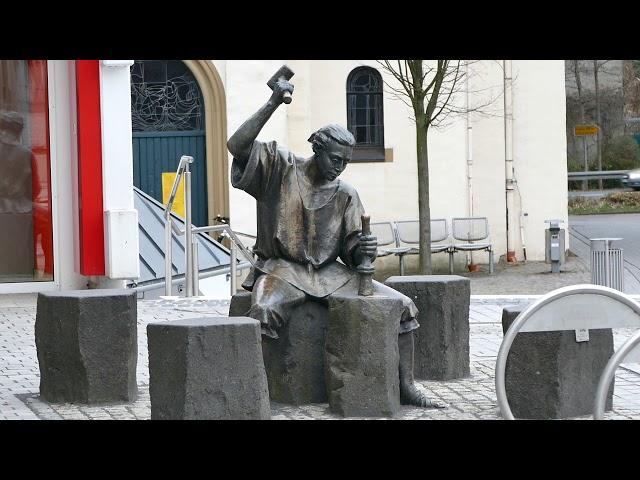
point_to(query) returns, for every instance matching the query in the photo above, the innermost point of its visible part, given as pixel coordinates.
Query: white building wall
(488, 168)
(540, 147)
(388, 190)
(246, 91)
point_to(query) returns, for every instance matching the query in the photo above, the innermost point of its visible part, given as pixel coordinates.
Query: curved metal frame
(609, 372)
(516, 326)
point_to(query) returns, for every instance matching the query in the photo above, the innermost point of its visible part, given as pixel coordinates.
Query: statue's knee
(259, 310)
(267, 313)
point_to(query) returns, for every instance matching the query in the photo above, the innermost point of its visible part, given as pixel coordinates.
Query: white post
(121, 218)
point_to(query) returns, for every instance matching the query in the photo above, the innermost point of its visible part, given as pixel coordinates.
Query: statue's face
(333, 159)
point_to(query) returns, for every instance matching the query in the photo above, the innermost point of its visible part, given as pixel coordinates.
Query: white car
(632, 179)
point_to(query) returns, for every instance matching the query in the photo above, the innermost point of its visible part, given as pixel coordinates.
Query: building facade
(89, 131)
(532, 134)
(68, 220)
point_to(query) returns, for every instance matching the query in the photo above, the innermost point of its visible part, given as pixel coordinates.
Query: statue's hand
(279, 90)
(367, 247)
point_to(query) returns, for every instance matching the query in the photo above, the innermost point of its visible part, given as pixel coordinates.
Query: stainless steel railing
(192, 270)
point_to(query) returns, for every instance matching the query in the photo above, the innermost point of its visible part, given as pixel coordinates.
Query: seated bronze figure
(307, 219)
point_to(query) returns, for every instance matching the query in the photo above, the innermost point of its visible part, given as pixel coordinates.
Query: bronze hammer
(283, 73)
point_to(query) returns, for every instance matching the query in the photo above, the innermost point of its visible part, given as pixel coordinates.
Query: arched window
(365, 118)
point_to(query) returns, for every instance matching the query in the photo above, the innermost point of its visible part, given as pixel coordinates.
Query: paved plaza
(469, 398)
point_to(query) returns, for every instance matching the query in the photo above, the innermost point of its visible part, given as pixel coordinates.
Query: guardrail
(598, 175)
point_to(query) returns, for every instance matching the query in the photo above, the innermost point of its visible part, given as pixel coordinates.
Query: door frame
(217, 158)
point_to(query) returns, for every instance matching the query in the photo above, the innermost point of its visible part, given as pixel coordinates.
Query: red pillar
(90, 216)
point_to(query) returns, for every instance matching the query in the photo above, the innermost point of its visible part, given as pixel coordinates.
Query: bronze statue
(307, 219)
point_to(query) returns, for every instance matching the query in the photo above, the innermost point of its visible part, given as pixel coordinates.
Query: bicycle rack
(609, 372)
(571, 308)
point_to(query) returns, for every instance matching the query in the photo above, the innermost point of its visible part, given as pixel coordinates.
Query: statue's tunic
(296, 243)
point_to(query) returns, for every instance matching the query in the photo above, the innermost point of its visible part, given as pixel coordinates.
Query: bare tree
(597, 66)
(599, 103)
(430, 88)
(631, 86)
(575, 68)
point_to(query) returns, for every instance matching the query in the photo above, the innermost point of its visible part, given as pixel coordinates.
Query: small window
(365, 115)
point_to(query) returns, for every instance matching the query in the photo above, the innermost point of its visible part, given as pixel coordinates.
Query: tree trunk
(424, 263)
(576, 69)
(598, 134)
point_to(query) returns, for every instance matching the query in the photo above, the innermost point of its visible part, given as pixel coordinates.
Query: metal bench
(468, 230)
(386, 235)
(408, 233)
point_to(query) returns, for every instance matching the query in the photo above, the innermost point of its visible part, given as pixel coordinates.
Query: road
(625, 226)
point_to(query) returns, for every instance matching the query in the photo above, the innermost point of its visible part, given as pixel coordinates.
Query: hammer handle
(366, 279)
(366, 224)
(286, 97)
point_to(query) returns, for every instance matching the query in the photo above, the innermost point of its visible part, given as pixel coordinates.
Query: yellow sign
(584, 130)
(167, 182)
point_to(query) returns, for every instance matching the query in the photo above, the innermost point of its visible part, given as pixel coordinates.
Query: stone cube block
(207, 369)
(442, 341)
(87, 345)
(362, 355)
(550, 375)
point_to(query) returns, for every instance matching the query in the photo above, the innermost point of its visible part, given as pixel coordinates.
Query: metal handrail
(183, 165)
(235, 243)
(192, 271)
(183, 169)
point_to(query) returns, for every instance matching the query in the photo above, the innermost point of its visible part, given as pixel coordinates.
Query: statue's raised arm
(241, 141)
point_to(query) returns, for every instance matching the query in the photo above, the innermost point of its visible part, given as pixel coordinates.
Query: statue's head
(333, 147)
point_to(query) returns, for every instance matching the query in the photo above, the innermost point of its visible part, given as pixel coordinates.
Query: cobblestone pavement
(468, 398)
(535, 278)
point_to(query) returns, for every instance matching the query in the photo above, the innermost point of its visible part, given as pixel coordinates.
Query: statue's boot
(410, 392)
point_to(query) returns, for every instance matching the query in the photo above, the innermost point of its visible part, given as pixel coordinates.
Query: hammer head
(283, 72)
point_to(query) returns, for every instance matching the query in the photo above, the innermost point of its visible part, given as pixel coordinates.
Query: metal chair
(409, 233)
(469, 230)
(386, 235)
